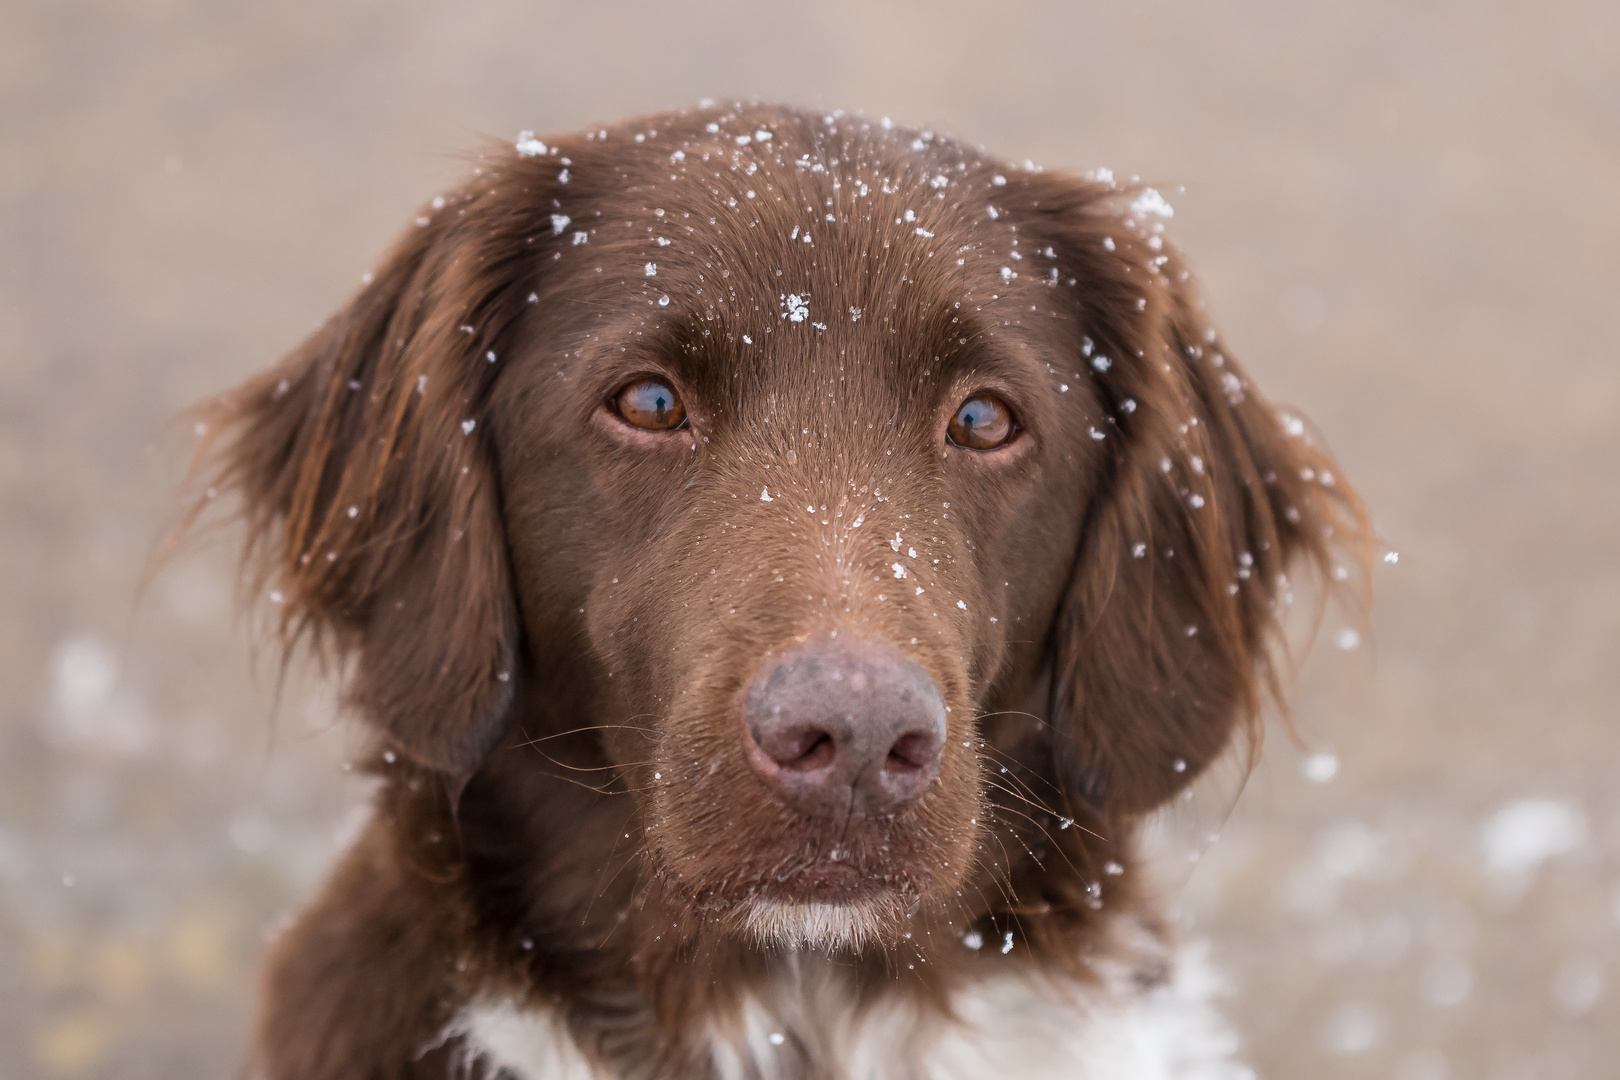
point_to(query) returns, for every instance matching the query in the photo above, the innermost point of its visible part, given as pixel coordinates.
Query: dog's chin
(825, 926)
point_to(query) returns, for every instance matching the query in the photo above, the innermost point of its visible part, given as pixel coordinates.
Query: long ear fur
(369, 492)
(1164, 646)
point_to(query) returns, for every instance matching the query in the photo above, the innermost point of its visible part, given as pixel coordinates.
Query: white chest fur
(1008, 1027)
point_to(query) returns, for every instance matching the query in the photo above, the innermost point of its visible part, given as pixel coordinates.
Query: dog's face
(788, 451)
(781, 450)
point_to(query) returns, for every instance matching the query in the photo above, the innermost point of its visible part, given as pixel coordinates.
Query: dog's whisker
(602, 888)
(1006, 787)
(618, 768)
(586, 729)
(1014, 774)
(1040, 825)
(1056, 842)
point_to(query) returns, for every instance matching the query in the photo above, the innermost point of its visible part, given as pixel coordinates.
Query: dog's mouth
(794, 866)
(830, 795)
(830, 904)
(790, 882)
(830, 881)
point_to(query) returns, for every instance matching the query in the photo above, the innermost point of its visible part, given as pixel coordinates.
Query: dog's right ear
(368, 488)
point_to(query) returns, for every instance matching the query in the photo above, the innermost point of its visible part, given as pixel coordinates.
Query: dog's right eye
(982, 422)
(650, 405)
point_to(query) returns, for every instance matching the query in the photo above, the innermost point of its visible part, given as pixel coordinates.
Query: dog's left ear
(1162, 648)
(368, 483)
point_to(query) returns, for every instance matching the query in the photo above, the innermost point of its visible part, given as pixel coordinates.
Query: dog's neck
(1144, 1014)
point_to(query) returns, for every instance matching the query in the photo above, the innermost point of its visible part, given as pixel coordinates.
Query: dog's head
(815, 466)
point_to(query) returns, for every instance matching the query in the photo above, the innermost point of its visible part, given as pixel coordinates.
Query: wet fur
(549, 620)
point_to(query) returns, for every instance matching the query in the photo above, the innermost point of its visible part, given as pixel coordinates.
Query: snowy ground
(1407, 217)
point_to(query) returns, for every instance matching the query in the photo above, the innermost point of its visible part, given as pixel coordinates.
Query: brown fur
(552, 617)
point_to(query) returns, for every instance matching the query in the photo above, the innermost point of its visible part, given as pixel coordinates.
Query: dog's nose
(846, 728)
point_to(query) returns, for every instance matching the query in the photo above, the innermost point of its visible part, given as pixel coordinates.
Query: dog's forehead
(782, 234)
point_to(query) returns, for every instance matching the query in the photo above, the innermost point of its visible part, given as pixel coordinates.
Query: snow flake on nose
(651, 269)
(899, 570)
(797, 307)
(559, 222)
(765, 495)
(528, 146)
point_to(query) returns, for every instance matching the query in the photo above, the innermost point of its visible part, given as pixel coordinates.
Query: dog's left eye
(650, 405)
(982, 422)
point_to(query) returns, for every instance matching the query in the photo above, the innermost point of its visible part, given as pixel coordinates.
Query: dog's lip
(827, 880)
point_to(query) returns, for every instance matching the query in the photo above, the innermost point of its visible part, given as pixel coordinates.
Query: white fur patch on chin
(815, 927)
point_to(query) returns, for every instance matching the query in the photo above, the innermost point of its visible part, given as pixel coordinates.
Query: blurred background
(1406, 215)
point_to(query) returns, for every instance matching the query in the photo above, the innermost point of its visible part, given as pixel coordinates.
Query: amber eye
(982, 422)
(650, 405)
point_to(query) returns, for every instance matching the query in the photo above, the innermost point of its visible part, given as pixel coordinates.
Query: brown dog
(783, 558)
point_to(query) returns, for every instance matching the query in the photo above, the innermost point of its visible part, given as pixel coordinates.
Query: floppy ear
(1162, 648)
(368, 488)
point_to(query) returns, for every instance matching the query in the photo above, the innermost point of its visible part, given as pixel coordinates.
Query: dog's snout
(851, 727)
